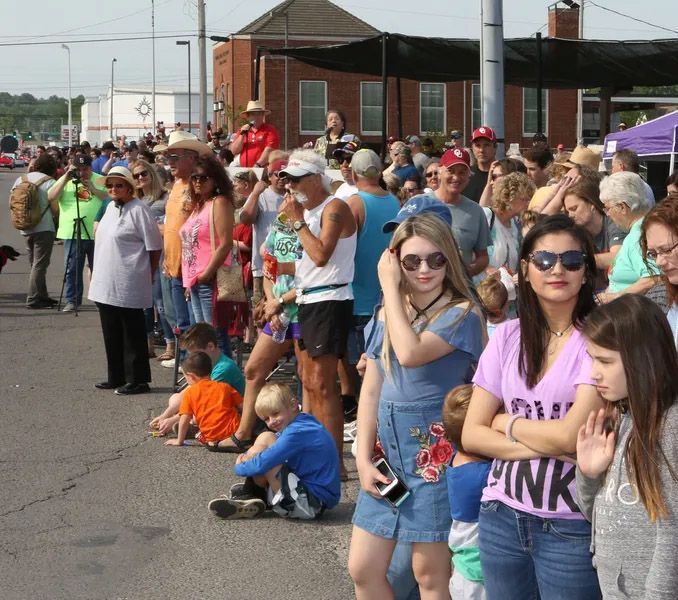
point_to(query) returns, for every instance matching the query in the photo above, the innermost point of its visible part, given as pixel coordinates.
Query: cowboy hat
(254, 106)
(118, 173)
(187, 141)
(582, 156)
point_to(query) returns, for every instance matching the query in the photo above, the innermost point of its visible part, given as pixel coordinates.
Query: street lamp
(70, 114)
(112, 72)
(187, 43)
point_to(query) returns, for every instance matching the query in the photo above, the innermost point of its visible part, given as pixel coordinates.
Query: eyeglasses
(117, 186)
(654, 254)
(200, 178)
(296, 178)
(412, 262)
(410, 191)
(140, 174)
(608, 207)
(278, 175)
(176, 156)
(431, 174)
(543, 260)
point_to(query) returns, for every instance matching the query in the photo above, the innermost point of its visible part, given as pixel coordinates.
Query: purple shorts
(293, 331)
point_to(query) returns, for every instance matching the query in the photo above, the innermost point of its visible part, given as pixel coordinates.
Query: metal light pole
(492, 68)
(112, 73)
(187, 43)
(202, 57)
(70, 114)
(153, 60)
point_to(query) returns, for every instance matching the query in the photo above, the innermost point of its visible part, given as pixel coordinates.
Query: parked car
(6, 161)
(18, 160)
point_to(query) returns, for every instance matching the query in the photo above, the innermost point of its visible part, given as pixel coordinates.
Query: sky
(41, 69)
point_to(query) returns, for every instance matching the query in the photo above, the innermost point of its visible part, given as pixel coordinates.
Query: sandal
(165, 356)
(239, 446)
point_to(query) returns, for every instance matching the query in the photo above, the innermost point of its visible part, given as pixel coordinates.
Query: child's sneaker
(230, 508)
(245, 490)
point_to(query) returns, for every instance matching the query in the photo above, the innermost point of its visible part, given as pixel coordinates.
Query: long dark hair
(634, 326)
(534, 329)
(215, 170)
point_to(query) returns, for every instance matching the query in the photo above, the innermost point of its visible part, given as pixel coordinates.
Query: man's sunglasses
(294, 178)
(412, 262)
(117, 186)
(140, 174)
(200, 178)
(543, 260)
(431, 174)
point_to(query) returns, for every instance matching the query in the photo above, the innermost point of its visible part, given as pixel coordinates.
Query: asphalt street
(93, 507)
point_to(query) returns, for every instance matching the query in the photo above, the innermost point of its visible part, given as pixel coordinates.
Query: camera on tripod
(74, 176)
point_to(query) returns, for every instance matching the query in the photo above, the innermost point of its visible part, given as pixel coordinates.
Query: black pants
(124, 332)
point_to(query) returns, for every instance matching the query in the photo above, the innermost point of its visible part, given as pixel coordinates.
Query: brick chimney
(564, 21)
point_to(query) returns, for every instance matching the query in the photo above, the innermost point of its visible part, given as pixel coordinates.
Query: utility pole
(492, 68)
(113, 61)
(202, 56)
(580, 92)
(187, 43)
(70, 114)
(153, 109)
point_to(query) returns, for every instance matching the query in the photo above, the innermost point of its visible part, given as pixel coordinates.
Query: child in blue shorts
(294, 468)
(466, 478)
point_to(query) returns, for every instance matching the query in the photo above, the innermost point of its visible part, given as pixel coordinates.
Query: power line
(621, 14)
(97, 40)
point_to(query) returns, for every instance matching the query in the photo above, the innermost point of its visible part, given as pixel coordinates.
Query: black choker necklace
(421, 312)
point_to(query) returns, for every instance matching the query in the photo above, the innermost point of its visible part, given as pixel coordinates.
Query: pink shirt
(544, 487)
(195, 245)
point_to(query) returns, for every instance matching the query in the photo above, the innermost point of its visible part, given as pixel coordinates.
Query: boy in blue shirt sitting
(466, 478)
(294, 468)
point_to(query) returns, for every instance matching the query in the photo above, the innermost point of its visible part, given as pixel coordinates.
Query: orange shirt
(213, 404)
(175, 216)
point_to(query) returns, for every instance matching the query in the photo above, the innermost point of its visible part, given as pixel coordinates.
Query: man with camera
(256, 139)
(107, 149)
(77, 195)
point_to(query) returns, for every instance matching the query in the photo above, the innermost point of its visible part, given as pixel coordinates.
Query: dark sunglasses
(431, 174)
(200, 178)
(278, 175)
(117, 186)
(140, 174)
(543, 260)
(295, 178)
(412, 262)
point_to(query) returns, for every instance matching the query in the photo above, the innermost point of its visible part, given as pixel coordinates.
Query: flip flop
(239, 446)
(165, 356)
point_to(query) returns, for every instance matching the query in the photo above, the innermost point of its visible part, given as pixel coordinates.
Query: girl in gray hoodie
(627, 453)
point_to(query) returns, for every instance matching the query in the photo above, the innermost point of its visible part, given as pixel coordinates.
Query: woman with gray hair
(623, 196)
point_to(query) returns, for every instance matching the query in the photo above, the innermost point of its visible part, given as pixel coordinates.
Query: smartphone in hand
(395, 492)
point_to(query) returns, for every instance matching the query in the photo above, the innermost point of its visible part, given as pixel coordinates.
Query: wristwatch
(297, 225)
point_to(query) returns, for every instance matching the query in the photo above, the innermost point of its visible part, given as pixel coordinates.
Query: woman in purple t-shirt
(533, 539)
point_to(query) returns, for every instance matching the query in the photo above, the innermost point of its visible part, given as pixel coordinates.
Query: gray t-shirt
(267, 210)
(122, 270)
(157, 207)
(469, 227)
(47, 221)
(610, 235)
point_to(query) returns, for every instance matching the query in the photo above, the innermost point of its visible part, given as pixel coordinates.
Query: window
(312, 106)
(431, 107)
(370, 107)
(530, 111)
(476, 107)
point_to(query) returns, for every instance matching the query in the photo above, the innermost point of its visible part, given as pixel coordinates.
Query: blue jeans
(76, 262)
(160, 307)
(202, 306)
(182, 311)
(400, 574)
(525, 557)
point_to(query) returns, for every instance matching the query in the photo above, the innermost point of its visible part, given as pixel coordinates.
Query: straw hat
(117, 173)
(254, 106)
(582, 156)
(183, 139)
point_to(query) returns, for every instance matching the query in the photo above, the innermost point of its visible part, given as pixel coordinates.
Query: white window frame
(444, 107)
(545, 115)
(474, 108)
(301, 107)
(363, 131)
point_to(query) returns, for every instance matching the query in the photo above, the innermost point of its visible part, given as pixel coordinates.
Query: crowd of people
(495, 338)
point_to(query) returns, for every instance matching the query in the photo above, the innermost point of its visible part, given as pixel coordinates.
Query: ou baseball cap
(277, 166)
(83, 160)
(455, 156)
(416, 206)
(366, 163)
(484, 132)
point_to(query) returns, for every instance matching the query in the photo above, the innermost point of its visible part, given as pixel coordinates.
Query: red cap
(560, 147)
(457, 156)
(484, 132)
(277, 166)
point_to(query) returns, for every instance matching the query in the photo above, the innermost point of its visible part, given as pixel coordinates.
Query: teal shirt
(629, 266)
(226, 371)
(283, 244)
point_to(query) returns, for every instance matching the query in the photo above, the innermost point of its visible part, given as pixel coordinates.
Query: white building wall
(129, 106)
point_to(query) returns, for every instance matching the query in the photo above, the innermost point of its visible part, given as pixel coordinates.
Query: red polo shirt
(256, 141)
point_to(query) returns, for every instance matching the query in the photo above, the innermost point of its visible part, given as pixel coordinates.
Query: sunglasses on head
(200, 178)
(140, 174)
(412, 262)
(543, 260)
(117, 186)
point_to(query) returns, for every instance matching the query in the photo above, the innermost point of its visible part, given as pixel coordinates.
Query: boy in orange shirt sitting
(214, 405)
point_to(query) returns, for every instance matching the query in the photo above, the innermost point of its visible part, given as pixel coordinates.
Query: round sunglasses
(200, 178)
(140, 174)
(412, 262)
(543, 260)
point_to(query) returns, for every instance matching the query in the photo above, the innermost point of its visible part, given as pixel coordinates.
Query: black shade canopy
(565, 63)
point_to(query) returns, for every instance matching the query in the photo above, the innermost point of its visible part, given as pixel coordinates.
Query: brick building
(426, 107)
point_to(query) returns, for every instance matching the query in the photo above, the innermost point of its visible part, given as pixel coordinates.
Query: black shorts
(324, 327)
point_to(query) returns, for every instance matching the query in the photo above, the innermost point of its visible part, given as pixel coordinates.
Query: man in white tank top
(324, 273)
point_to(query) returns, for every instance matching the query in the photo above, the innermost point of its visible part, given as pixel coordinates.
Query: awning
(565, 63)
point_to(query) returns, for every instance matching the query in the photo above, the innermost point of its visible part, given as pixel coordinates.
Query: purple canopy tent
(654, 140)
